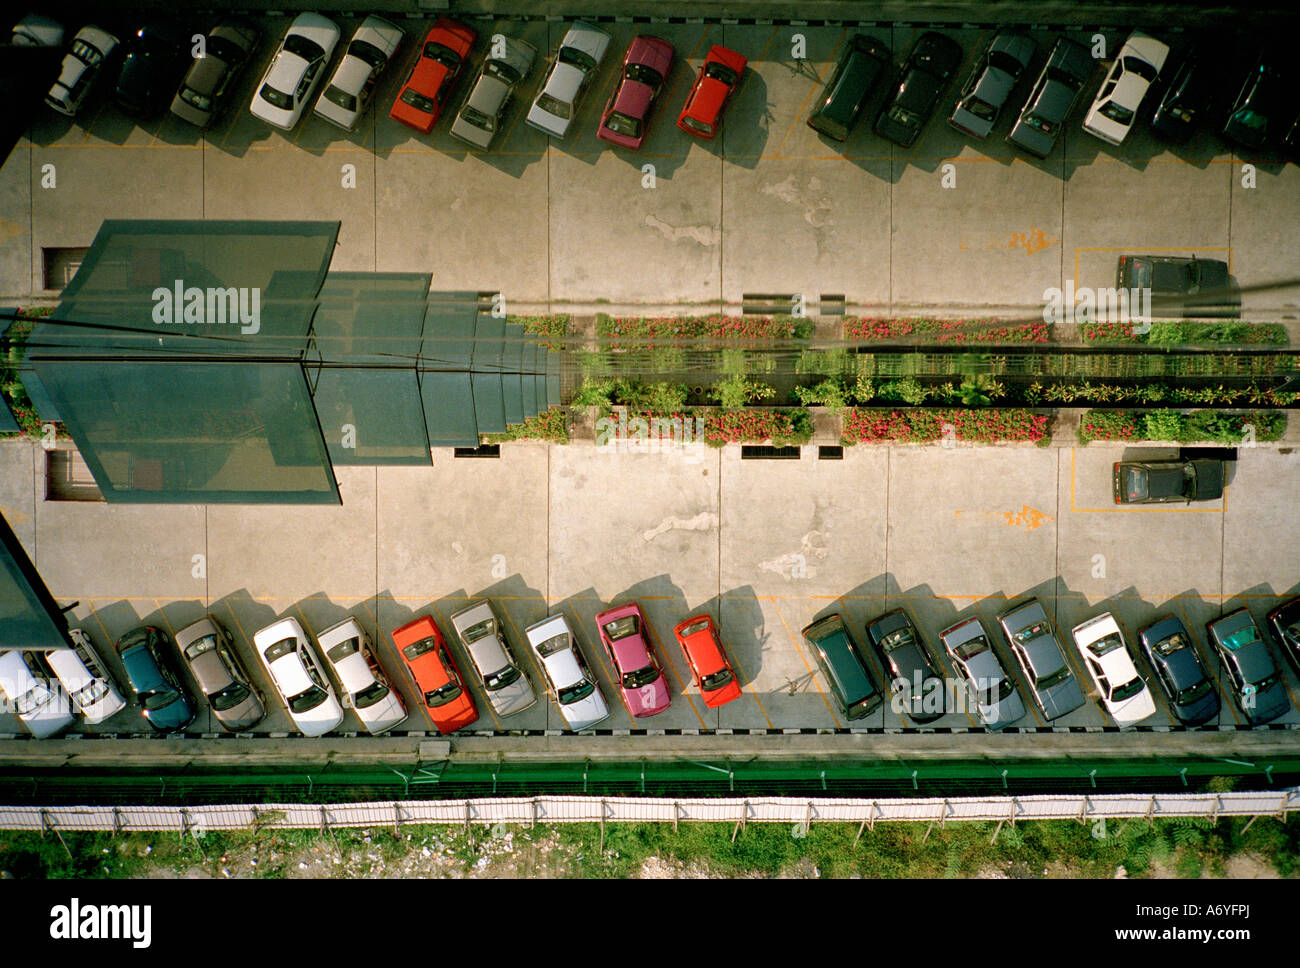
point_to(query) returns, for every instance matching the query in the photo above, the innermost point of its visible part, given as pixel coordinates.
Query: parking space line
(680, 683)
(239, 625)
(751, 692)
(1123, 510)
(91, 127)
(812, 673)
(762, 53)
(166, 621)
(799, 114)
(103, 628)
(690, 71)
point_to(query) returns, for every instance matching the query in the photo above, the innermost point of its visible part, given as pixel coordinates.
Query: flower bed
(1200, 426)
(552, 425)
(922, 330)
(555, 326)
(1182, 331)
(755, 329)
(753, 425)
(12, 351)
(923, 426)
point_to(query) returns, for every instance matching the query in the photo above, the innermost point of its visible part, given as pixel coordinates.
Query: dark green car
(841, 662)
(841, 102)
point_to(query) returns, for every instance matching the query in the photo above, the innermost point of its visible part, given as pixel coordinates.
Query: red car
(432, 76)
(626, 117)
(625, 635)
(717, 83)
(698, 637)
(442, 690)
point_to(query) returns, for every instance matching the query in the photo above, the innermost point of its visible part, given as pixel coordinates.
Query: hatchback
(844, 95)
(429, 82)
(1068, 68)
(25, 684)
(288, 656)
(698, 637)
(842, 664)
(1033, 642)
(208, 84)
(348, 94)
(1255, 679)
(1168, 647)
(626, 118)
(479, 118)
(207, 649)
(84, 678)
(296, 70)
(625, 635)
(571, 683)
(933, 60)
(151, 679)
(480, 632)
(1123, 692)
(914, 680)
(714, 88)
(987, 682)
(438, 681)
(363, 686)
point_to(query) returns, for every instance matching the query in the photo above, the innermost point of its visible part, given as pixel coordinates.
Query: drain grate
(760, 452)
(483, 450)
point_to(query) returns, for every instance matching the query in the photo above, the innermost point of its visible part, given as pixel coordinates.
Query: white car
(81, 65)
(348, 93)
(480, 116)
(25, 686)
(84, 678)
(1135, 69)
(365, 690)
(572, 69)
(288, 656)
(1123, 692)
(571, 683)
(295, 71)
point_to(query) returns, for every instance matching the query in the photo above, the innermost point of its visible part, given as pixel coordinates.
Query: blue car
(154, 685)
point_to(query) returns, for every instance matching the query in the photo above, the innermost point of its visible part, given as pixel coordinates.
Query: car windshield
(554, 106)
(621, 628)
(1251, 119)
(1141, 68)
(34, 699)
(576, 58)
(1055, 679)
(974, 647)
(1241, 637)
(442, 55)
(223, 50)
(699, 126)
(716, 681)
(308, 699)
(641, 677)
(229, 698)
(579, 690)
(981, 109)
(720, 72)
(1117, 113)
(557, 643)
(1128, 690)
(1265, 684)
(1040, 123)
(904, 117)
(308, 50)
(1193, 693)
(442, 695)
(368, 52)
(276, 98)
(336, 95)
(501, 678)
(477, 118)
(694, 627)
(199, 647)
(993, 692)
(502, 70)
(1292, 633)
(417, 100)
(478, 631)
(897, 639)
(160, 699)
(281, 649)
(344, 649)
(1031, 632)
(1107, 645)
(620, 123)
(1172, 644)
(195, 99)
(92, 692)
(417, 649)
(370, 695)
(646, 75)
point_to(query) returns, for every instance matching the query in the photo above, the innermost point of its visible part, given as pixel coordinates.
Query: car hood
(564, 83)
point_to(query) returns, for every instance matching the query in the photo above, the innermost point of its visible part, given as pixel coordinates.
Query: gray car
(990, 83)
(1067, 69)
(479, 117)
(206, 648)
(1037, 649)
(994, 692)
(480, 632)
(208, 84)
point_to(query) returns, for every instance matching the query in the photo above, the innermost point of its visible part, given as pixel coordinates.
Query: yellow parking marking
(753, 693)
(102, 628)
(813, 90)
(689, 70)
(1031, 518)
(812, 672)
(1120, 509)
(239, 625)
(762, 53)
(171, 631)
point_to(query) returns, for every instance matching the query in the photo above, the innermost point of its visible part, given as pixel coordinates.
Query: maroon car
(626, 117)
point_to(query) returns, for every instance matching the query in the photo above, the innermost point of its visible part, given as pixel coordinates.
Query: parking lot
(771, 206)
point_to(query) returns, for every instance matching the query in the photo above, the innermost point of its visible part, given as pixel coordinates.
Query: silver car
(994, 692)
(480, 632)
(574, 65)
(210, 656)
(480, 116)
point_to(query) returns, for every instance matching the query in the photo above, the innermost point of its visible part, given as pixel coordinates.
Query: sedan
(1124, 693)
(699, 640)
(429, 81)
(208, 651)
(1256, 681)
(914, 681)
(1116, 105)
(1185, 100)
(479, 117)
(156, 58)
(1167, 481)
(480, 632)
(1068, 68)
(295, 71)
(1033, 642)
(572, 68)
(844, 95)
(25, 685)
(571, 683)
(626, 118)
(347, 95)
(289, 657)
(1284, 623)
(715, 87)
(1179, 670)
(1256, 116)
(437, 679)
(624, 633)
(154, 685)
(91, 47)
(991, 83)
(994, 691)
(84, 678)
(208, 84)
(933, 60)
(363, 686)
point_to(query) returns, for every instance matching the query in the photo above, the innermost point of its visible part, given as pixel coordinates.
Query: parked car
(1284, 623)
(994, 692)
(932, 62)
(1186, 99)
(1168, 647)
(480, 632)
(91, 47)
(209, 652)
(702, 647)
(88, 684)
(714, 88)
(296, 71)
(479, 118)
(206, 88)
(1123, 691)
(362, 684)
(25, 685)
(849, 87)
(571, 683)
(1175, 480)
(437, 679)
(626, 119)
(1068, 68)
(289, 657)
(572, 68)
(843, 666)
(153, 683)
(1033, 642)
(1181, 285)
(1116, 105)
(348, 94)
(991, 82)
(35, 30)
(909, 666)
(156, 58)
(625, 635)
(1256, 117)
(431, 78)
(1254, 677)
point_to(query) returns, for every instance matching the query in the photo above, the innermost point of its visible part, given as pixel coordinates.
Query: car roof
(704, 650)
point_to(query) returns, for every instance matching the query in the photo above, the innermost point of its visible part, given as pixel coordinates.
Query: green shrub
(666, 396)
(739, 391)
(595, 393)
(907, 390)
(1162, 425)
(832, 394)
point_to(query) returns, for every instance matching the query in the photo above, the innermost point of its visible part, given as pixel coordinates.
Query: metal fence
(579, 809)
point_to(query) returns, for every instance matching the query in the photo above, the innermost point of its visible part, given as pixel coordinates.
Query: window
(554, 106)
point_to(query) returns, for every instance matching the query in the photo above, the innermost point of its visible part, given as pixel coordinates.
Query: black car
(845, 669)
(864, 60)
(1186, 99)
(1168, 647)
(1167, 481)
(1284, 623)
(1253, 676)
(933, 60)
(1181, 286)
(1068, 68)
(914, 680)
(1256, 116)
(156, 58)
